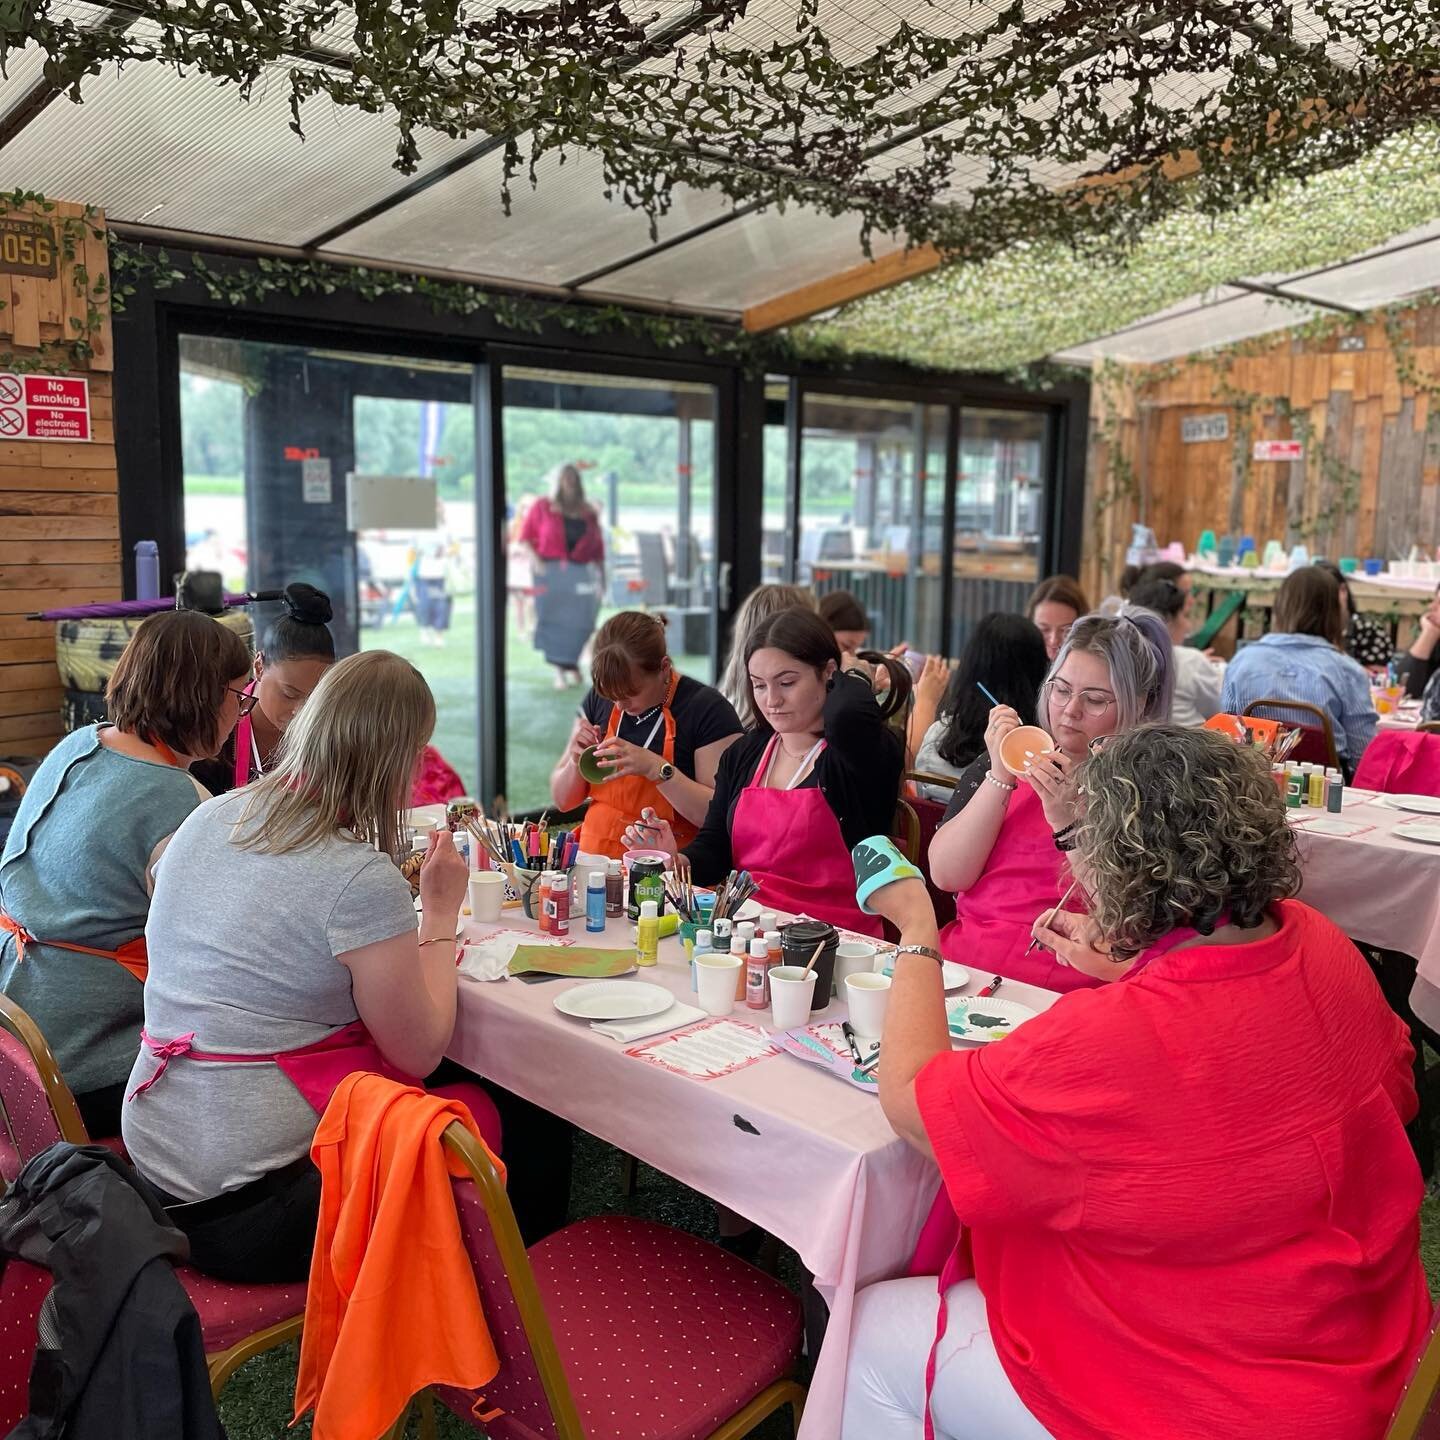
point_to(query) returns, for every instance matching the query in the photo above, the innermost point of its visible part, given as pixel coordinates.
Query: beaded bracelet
(998, 784)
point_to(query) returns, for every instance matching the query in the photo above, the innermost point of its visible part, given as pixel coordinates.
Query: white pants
(890, 1337)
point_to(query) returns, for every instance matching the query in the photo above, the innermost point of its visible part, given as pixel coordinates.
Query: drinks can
(647, 882)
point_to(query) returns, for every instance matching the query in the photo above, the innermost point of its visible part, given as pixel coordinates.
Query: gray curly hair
(1181, 827)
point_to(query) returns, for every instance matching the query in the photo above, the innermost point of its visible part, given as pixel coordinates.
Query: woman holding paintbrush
(1003, 851)
(819, 772)
(646, 737)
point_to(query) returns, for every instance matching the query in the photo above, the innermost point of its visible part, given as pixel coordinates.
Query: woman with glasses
(76, 876)
(1003, 848)
(297, 650)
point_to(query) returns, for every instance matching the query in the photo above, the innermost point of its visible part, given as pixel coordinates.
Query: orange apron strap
(131, 956)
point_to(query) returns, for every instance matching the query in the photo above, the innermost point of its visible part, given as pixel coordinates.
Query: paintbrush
(1054, 912)
(987, 694)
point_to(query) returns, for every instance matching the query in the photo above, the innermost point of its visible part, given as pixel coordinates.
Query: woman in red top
(1190, 1206)
(564, 533)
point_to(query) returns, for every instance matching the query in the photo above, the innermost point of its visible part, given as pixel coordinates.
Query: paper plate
(1426, 831)
(952, 976)
(614, 1000)
(1417, 804)
(985, 1020)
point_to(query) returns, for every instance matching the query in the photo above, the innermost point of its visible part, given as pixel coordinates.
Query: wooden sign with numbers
(27, 247)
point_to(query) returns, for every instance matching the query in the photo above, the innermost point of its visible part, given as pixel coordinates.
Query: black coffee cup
(798, 940)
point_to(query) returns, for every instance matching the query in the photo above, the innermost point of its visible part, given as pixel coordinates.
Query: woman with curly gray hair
(1190, 1206)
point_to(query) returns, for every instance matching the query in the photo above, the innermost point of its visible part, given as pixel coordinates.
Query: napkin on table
(627, 1030)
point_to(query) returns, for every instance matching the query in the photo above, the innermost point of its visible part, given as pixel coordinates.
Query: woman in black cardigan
(819, 772)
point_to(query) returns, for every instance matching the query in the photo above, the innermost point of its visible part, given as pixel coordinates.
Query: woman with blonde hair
(563, 532)
(763, 603)
(281, 933)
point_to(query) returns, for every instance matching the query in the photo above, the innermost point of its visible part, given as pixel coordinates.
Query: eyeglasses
(247, 702)
(1094, 703)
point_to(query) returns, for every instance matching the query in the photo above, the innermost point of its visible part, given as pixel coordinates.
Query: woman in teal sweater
(75, 876)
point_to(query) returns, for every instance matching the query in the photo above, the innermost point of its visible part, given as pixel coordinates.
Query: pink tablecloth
(1407, 717)
(825, 1173)
(1382, 890)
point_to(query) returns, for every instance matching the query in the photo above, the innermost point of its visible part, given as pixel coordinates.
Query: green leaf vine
(254, 282)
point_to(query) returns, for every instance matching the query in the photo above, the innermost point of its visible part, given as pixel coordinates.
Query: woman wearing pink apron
(296, 651)
(819, 772)
(306, 965)
(1005, 849)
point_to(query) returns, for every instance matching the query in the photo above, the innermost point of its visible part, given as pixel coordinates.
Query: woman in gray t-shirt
(279, 918)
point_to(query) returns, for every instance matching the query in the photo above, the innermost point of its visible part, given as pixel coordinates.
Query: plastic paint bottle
(595, 902)
(541, 893)
(557, 903)
(1334, 792)
(647, 945)
(757, 966)
(614, 890)
(1317, 788)
(1293, 787)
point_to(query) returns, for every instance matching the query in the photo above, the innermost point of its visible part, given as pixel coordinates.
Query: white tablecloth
(815, 1162)
(1382, 890)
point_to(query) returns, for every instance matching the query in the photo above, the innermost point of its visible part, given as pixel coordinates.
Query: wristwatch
(667, 772)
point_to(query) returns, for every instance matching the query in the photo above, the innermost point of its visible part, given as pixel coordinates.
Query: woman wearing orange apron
(656, 734)
(76, 874)
(820, 772)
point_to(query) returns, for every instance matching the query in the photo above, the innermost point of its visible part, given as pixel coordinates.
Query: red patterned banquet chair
(36, 1110)
(1317, 735)
(619, 1329)
(1417, 1414)
(1401, 762)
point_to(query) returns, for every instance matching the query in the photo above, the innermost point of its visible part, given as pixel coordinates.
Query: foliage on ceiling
(968, 134)
(1036, 299)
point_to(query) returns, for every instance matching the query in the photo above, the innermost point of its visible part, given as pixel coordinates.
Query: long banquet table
(1381, 889)
(806, 1156)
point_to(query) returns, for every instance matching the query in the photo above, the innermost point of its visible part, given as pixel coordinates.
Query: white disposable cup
(867, 996)
(487, 890)
(715, 981)
(790, 992)
(580, 878)
(851, 958)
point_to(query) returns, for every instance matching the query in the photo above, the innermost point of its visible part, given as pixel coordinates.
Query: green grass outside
(538, 717)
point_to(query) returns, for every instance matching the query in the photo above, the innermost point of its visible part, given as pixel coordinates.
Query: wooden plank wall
(59, 515)
(1370, 482)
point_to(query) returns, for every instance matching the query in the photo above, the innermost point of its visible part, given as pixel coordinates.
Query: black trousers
(100, 1110)
(262, 1232)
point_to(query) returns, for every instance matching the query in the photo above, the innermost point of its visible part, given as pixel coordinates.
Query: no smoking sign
(44, 407)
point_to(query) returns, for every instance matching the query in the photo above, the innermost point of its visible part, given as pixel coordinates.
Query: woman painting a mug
(1003, 848)
(819, 772)
(656, 735)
